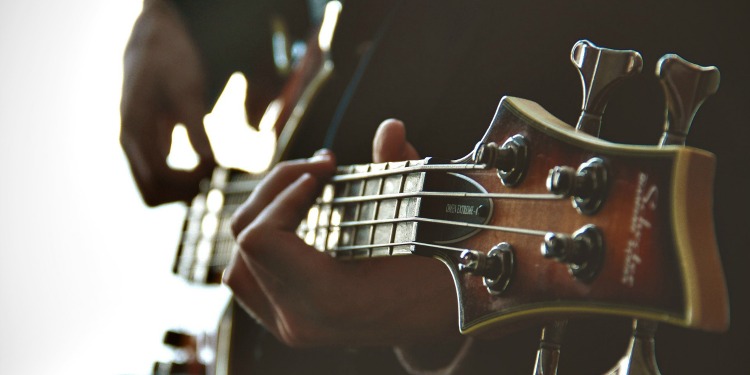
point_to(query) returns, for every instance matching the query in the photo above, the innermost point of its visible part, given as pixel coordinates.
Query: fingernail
(321, 155)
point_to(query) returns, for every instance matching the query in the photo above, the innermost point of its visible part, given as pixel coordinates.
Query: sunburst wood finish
(660, 260)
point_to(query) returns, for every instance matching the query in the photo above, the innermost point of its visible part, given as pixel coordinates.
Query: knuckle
(251, 240)
(281, 169)
(247, 239)
(230, 279)
(235, 223)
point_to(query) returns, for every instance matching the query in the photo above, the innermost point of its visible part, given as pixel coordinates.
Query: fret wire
(406, 170)
(422, 194)
(401, 184)
(358, 207)
(376, 211)
(327, 215)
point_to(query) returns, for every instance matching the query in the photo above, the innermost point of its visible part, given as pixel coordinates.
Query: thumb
(390, 143)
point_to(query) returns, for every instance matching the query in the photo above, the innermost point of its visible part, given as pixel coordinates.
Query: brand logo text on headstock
(646, 197)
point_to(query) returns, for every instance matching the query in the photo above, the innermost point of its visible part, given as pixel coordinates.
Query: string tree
(686, 86)
(600, 70)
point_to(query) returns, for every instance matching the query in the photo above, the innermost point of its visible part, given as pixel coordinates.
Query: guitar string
(246, 187)
(352, 224)
(352, 248)
(236, 187)
(437, 194)
(498, 228)
(230, 208)
(370, 198)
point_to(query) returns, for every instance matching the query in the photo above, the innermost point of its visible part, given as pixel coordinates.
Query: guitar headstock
(573, 225)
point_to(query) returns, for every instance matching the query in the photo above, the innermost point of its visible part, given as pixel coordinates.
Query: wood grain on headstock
(661, 260)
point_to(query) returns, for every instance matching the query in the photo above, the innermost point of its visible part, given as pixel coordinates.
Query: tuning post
(495, 267)
(587, 185)
(600, 69)
(583, 252)
(686, 86)
(510, 159)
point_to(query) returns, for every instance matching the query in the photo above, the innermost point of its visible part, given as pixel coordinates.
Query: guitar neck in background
(206, 244)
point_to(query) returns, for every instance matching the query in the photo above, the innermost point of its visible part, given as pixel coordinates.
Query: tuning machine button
(686, 86)
(510, 159)
(495, 267)
(600, 69)
(583, 252)
(587, 185)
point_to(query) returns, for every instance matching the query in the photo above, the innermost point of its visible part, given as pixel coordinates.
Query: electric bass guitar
(542, 221)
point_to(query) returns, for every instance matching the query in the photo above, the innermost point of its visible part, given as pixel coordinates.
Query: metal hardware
(640, 358)
(587, 185)
(583, 252)
(548, 355)
(495, 268)
(600, 69)
(510, 159)
(686, 86)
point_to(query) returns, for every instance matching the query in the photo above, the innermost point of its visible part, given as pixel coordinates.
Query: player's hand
(163, 85)
(307, 298)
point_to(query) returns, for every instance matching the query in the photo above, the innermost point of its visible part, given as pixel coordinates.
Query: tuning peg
(548, 354)
(686, 86)
(600, 69)
(640, 358)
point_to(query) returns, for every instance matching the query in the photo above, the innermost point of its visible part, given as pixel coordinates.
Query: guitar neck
(362, 213)
(367, 210)
(207, 245)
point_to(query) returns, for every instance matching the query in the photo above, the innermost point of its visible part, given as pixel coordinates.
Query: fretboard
(363, 212)
(367, 211)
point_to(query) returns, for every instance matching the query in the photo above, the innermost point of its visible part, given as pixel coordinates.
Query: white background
(85, 283)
